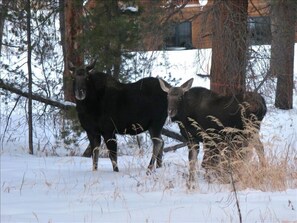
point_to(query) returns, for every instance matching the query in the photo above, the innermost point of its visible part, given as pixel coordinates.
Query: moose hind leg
(157, 153)
(111, 144)
(211, 157)
(160, 156)
(259, 150)
(95, 157)
(160, 144)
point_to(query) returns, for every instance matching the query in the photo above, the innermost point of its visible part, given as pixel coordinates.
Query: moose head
(80, 77)
(175, 95)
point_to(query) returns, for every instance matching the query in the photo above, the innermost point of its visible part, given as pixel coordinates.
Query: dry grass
(279, 173)
(237, 159)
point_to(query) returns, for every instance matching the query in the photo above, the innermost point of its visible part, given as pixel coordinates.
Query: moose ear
(71, 67)
(164, 85)
(187, 85)
(91, 66)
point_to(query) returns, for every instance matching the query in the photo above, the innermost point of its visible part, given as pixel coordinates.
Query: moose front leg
(95, 141)
(111, 143)
(193, 154)
(88, 152)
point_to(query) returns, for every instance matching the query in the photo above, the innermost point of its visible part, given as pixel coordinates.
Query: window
(181, 2)
(180, 35)
(259, 30)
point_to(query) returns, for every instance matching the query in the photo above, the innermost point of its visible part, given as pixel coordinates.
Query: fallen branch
(35, 97)
(173, 135)
(175, 147)
(203, 75)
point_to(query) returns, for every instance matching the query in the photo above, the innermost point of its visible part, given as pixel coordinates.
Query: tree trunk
(117, 61)
(228, 65)
(283, 18)
(73, 28)
(62, 27)
(29, 53)
(113, 48)
(3, 14)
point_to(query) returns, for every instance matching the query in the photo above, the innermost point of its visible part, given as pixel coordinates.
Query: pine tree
(283, 16)
(228, 65)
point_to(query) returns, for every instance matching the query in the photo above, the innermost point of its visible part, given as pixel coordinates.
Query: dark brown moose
(107, 107)
(198, 110)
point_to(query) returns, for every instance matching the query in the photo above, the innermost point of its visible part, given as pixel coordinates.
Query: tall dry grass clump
(230, 157)
(279, 173)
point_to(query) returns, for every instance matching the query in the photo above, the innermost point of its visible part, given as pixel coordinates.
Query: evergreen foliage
(110, 34)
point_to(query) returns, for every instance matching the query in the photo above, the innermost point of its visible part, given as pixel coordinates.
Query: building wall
(201, 19)
(202, 25)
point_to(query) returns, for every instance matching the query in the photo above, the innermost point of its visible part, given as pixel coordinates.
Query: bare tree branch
(175, 147)
(48, 101)
(203, 75)
(173, 135)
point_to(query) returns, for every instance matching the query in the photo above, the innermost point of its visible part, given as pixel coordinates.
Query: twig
(234, 191)
(203, 75)
(23, 181)
(9, 116)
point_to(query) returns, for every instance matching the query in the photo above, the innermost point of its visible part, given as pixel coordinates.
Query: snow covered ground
(63, 188)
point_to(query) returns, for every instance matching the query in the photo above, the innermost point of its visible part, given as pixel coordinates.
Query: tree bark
(29, 53)
(62, 27)
(228, 65)
(73, 28)
(3, 15)
(113, 48)
(283, 19)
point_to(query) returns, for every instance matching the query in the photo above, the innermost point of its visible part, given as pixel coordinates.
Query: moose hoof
(159, 165)
(116, 169)
(150, 169)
